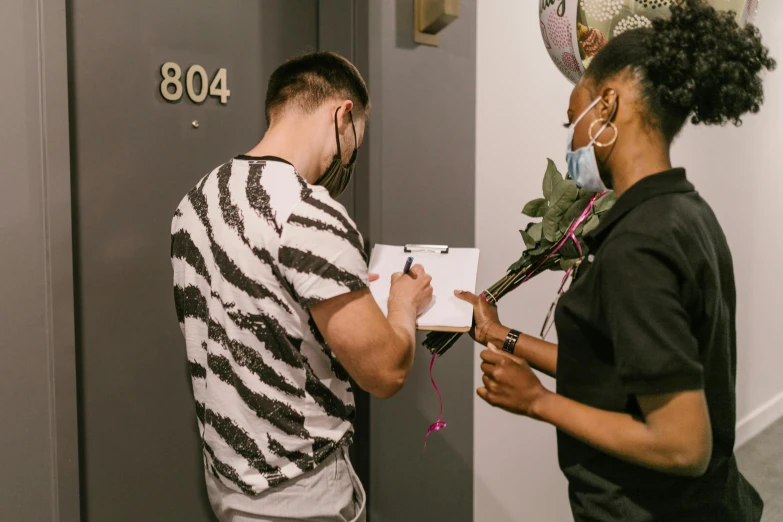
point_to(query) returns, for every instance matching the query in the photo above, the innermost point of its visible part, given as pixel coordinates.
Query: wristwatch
(511, 341)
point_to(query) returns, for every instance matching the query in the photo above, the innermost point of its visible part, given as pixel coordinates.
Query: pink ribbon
(438, 424)
(565, 277)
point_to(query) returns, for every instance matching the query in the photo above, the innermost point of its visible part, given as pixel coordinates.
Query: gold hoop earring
(610, 125)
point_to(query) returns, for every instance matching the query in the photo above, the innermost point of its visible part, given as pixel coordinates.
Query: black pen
(408, 264)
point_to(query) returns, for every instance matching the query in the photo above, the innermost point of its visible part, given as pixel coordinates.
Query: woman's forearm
(540, 354)
(617, 434)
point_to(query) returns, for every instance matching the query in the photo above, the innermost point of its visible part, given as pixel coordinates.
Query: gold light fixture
(431, 17)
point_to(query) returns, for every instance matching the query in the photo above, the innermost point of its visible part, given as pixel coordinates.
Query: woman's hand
(485, 317)
(509, 382)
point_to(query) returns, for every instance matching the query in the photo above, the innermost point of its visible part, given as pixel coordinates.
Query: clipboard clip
(437, 249)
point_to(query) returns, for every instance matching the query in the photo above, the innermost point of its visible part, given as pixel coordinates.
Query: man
(270, 283)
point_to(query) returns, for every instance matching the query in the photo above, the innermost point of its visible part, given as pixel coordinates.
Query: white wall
(521, 105)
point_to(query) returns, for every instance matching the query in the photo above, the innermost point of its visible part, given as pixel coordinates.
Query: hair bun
(702, 62)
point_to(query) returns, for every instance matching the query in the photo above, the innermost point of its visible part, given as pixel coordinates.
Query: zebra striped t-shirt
(253, 246)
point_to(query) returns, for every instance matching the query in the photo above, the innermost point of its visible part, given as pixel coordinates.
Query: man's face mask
(337, 176)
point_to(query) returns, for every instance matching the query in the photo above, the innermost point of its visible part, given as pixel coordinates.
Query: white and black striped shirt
(253, 246)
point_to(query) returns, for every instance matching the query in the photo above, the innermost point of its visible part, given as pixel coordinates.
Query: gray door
(134, 157)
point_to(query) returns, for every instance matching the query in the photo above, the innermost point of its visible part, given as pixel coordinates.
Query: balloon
(575, 30)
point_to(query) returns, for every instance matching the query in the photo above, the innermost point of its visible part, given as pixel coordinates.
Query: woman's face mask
(337, 176)
(582, 163)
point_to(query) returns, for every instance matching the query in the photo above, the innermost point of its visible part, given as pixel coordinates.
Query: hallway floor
(761, 461)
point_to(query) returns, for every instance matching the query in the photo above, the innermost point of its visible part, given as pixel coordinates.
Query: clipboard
(451, 269)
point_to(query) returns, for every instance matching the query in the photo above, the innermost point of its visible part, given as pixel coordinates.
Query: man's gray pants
(329, 493)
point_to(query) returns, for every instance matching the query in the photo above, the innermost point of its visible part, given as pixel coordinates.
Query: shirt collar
(668, 182)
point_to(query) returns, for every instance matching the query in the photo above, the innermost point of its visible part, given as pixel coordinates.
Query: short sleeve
(641, 299)
(321, 252)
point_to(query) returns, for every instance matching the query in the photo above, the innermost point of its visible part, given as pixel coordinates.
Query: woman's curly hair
(698, 63)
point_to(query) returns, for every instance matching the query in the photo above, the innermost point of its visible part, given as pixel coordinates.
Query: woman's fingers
(467, 296)
(505, 355)
(489, 396)
(492, 356)
(488, 382)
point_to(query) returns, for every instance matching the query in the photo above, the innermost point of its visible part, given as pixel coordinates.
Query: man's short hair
(310, 80)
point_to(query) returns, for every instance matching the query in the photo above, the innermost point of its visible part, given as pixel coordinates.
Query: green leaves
(565, 264)
(563, 203)
(577, 207)
(574, 211)
(541, 248)
(591, 224)
(563, 195)
(536, 208)
(551, 224)
(529, 241)
(551, 178)
(570, 250)
(606, 202)
(521, 263)
(536, 231)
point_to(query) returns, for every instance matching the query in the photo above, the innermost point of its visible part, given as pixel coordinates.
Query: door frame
(43, 359)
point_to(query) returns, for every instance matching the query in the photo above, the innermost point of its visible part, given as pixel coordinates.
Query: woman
(645, 366)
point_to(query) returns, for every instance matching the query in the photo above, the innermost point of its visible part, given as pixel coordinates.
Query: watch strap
(511, 341)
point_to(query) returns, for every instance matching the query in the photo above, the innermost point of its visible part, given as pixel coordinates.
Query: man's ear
(344, 116)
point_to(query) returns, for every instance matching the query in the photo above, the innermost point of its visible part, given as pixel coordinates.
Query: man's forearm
(402, 319)
(539, 354)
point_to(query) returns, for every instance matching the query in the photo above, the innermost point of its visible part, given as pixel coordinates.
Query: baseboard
(760, 418)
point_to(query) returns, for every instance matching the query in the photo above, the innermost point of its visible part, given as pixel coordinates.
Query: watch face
(511, 341)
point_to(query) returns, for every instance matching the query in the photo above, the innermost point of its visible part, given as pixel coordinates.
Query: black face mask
(337, 176)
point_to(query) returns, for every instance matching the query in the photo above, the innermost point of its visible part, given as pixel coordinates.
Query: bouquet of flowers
(555, 242)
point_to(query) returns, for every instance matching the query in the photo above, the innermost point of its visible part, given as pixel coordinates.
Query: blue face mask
(582, 164)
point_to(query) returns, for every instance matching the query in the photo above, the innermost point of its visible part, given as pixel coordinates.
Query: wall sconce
(431, 17)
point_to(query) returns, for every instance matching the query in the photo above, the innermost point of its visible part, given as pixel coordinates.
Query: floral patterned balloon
(575, 30)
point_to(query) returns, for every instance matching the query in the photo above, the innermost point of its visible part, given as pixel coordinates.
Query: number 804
(171, 86)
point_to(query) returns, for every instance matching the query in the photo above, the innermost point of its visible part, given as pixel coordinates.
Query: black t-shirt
(652, 310)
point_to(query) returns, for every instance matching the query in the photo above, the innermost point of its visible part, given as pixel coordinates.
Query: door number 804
(171, 87)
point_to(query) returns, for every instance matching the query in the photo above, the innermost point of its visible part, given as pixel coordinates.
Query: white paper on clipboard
(456, 269)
